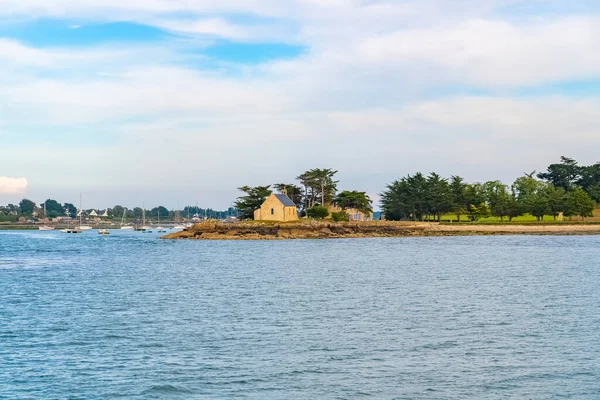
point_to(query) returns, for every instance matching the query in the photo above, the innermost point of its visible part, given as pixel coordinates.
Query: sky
(176, 101)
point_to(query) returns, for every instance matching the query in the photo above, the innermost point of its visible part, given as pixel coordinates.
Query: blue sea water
(130, 316)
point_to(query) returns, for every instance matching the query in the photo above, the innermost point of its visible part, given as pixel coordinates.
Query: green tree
(138, 212)
(26, 207)
(70, 210)
(564, 175)
(319, 185)
(557, 200)
(117, 211)
(589, 180)
(498, 198)
(578, 202)
(415, 196)
(477, 212)
(439, 196)
(532, 196)
(458, 188)
(54, 207)
(340, 216)
(160, 211)
(318, 212)
(354, 199)
(252, 200)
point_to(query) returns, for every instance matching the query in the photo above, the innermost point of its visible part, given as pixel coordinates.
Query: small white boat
(127, 228)
(85, 228)
(46, 228)
(146, 229)
(103, 232)
(179, 227)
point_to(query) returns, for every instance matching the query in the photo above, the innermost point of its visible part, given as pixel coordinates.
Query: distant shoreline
(377, 229)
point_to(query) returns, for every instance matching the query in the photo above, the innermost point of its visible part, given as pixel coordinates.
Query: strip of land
(338, 230)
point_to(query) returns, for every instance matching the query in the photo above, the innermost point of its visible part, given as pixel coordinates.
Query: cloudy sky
(173, 101)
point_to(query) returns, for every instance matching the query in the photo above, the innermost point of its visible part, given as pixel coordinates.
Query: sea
(131, 316)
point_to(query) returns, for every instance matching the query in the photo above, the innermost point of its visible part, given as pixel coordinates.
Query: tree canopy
(354, 199)
(26, 207)
(252, 200)
(418, 197)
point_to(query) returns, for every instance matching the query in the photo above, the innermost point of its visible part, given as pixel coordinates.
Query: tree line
(54, 209)
(314, 194)
(565, 188)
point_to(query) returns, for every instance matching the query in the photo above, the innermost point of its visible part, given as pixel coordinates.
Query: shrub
(340, 216)
(318, 212)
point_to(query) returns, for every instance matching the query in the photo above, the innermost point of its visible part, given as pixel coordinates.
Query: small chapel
(277, 207)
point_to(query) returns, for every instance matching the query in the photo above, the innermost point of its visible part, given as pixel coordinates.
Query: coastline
(377, 229)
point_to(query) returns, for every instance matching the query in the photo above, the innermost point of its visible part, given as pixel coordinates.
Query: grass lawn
(522, 219)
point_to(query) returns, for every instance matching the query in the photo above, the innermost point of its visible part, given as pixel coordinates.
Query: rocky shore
(334, 230)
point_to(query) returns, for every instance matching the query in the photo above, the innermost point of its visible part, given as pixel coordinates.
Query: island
(308, 229)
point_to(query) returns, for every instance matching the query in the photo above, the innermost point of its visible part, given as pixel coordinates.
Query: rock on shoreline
(335, 230)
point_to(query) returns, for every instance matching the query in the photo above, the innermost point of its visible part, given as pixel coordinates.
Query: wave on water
(167, 389)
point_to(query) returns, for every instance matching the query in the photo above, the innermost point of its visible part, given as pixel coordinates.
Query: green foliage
(340, 216)
(477, 212)
(26, 207)
(578, 202)
(557, 200)
(159, 211)
(8, 218)
(54, 207)
(252, 200)
(590, 180)
(354, 199)
(416, 197)
(319, 186)
(70, 210)
(138, 212)
(117, 211)
(318, 212)
(563, 175)
(501, 201)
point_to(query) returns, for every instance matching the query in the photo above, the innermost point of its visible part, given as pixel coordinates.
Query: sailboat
(178, 224)
(76, 229)
(45, 227)
(123, 226)
(159, 228)
(144, 228)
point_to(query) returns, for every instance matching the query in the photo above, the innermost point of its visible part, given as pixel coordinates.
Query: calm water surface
(130, 316)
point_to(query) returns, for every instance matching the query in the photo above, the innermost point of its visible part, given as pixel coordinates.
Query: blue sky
(171, 101)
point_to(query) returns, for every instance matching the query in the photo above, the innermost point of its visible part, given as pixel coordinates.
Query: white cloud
(491, 53)
(370, 97)
(12, 185)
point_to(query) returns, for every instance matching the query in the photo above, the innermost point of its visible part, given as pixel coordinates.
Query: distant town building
(277, 207)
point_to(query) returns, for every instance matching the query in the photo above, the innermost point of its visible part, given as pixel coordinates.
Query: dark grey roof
(286, 201)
